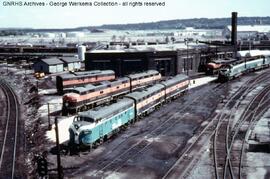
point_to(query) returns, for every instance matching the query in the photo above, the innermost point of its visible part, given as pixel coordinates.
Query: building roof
(252, 28)
(151, 48)
(253, 53)
(52, 61)
(70, 59)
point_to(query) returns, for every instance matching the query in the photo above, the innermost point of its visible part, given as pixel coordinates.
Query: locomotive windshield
(82, 118)
(87, 119)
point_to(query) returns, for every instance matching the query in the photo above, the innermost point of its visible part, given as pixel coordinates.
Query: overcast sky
(58, 17)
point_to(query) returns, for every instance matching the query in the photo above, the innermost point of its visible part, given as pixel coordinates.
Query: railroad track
(256, 108)
(8, 143)
(190, 156)
(226, 134)
(222, 144)
(186, 159)
(115, 164)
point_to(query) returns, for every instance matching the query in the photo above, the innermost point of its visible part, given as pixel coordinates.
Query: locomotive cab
(79, 134)
(70, 101)
(82, 118)
(224, 73)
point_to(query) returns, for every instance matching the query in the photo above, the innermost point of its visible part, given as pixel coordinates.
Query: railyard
(159, 108)
(185, 137)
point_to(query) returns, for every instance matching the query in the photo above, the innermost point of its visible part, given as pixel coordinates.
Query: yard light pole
(59, 167)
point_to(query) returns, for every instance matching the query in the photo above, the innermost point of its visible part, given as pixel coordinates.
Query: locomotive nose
(71, 97)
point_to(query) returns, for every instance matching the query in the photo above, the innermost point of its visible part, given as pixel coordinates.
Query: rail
(9, 143)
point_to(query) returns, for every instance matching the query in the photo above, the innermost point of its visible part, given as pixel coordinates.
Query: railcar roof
(145, 92)
(101, 85)
(86, 73)
(138, 75)
(81, 89)
(107, 111)
(175, 79)
(225, 61)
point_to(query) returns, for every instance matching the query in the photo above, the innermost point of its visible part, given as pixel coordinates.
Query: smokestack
(234, 28)
(234, 32)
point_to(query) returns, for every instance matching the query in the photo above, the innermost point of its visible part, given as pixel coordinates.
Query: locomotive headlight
(66, 104)
(76, 126)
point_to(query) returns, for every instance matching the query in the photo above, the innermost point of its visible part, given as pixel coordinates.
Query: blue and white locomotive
(249, 62)
(98, 124)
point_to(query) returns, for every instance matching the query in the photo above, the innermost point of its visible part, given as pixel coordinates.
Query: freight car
(92, 127)
(74, 79)
(244, 66)
(91, 95)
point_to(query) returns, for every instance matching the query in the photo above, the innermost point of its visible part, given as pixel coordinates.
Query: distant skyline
(69, 17)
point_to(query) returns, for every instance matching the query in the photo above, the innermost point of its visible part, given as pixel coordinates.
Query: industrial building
(71, 63)
(168, 62)
(247, 31)
(50, 65)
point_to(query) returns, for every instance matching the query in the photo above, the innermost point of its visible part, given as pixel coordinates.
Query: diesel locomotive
(92, 95)
(96, 125)
(74, 79)
(251, 62)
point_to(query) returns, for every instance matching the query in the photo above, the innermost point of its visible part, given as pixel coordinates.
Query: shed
(49, 65)
(71, 63)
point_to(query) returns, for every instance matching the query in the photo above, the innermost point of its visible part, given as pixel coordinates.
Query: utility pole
(49, 121)
(59, 167)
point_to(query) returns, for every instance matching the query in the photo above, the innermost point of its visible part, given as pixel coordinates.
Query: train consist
(91, 95)
(74, 79)
(214, 66)
(93, 126)
(250, 61)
